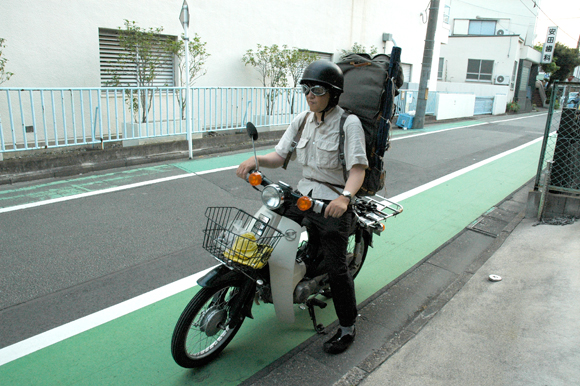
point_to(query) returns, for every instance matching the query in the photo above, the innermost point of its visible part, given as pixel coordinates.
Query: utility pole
(419, 120)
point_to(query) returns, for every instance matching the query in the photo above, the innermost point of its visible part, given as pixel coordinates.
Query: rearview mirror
(252, 131)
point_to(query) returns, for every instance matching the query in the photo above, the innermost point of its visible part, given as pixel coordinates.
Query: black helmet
(325, 73)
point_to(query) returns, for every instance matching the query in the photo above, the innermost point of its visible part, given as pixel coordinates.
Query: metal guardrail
(33, 118)
(559, 165)
(406, 101)
(44, 118)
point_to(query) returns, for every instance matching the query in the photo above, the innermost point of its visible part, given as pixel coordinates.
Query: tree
(296, 61)
(4, 75)
(358, 49)
(198, 56)
(143, 53)
(565, 60)
(270, 64)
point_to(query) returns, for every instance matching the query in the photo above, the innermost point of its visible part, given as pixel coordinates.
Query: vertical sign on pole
(184, 18)
(548, 50)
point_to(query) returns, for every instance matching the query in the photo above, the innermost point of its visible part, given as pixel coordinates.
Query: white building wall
(503, 50)
(54, 43)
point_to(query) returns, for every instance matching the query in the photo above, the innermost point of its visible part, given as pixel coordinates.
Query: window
(482, 27)
(513, 79)
(440, 69)
(446, 13)
(114, 62)
(479, 70)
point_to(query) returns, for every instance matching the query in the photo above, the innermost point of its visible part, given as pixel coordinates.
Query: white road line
(411, 135)
(110, 190)
(40, 341)
(439, 181)
(48, 338)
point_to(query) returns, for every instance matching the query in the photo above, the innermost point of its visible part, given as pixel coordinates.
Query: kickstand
(311, 303)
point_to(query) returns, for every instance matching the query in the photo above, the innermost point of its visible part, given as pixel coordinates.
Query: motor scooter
(265, 257)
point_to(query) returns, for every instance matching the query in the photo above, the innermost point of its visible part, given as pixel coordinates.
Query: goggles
(317, 89)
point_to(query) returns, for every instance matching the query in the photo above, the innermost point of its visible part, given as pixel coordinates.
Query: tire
(352, 245)
(200, 335)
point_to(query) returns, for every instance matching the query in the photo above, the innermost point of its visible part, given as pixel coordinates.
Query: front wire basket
(238, 239)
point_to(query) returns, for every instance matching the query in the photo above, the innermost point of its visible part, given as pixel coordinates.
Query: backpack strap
(295, 141)
(341, 156)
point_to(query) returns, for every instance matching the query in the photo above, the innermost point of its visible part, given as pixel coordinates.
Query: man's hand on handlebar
(337, 207)
(246, 167)
(271, 161)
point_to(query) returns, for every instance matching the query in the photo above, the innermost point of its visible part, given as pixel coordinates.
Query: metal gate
(483, 105)
(560, 156)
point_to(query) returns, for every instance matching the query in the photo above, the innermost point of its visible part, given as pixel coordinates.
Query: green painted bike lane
(135, 349)
(78, 186)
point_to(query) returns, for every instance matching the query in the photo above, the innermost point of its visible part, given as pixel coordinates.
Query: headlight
(272, 196)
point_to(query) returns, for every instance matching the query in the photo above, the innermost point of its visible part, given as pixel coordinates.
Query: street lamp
(184, 18)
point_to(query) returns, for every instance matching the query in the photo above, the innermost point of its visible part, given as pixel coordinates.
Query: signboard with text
(549, 46)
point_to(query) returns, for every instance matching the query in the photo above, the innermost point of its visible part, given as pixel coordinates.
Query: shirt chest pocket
(302, 151)
(327, 154)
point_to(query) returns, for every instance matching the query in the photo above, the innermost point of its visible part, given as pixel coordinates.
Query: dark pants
(333, 236)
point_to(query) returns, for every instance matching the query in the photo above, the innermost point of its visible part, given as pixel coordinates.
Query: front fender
(222, 274)
(218, 275)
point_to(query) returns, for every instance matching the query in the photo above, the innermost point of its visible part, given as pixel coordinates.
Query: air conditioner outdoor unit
(501, 32)
(502, 79)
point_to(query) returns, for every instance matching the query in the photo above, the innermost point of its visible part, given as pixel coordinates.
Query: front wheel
(203, 329)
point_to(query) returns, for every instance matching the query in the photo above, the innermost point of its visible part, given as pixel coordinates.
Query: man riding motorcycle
(323, 179)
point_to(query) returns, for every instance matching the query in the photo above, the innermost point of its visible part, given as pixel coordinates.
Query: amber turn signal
(255, 179)
(304, 203)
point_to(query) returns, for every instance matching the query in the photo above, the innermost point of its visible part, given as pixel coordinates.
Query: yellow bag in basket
(245, 249)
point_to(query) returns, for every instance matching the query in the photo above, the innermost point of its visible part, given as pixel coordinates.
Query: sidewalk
(522, 330)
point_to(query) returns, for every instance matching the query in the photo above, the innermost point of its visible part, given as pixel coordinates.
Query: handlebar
(369, 211)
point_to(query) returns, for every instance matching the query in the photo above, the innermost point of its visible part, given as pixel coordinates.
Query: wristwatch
(347, 194)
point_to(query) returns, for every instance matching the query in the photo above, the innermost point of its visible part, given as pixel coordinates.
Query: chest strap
(295, 141)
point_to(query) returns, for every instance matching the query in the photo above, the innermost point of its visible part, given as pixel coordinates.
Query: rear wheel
(202, 330)
(353, 250)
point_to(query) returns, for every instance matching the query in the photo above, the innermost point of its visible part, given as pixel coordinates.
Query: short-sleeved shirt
(317, 151)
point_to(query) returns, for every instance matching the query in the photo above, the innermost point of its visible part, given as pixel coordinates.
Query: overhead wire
(549, 18)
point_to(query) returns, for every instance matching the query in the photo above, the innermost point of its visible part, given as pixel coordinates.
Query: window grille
(440, 69)
(479, 70)
(112, 62)
(514, 73)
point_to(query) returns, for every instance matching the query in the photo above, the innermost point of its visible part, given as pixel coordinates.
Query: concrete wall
(480, 89)
(54, 43)
(451, 106)
(499, 104)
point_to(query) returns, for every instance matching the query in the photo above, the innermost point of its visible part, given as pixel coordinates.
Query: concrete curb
(69, 162)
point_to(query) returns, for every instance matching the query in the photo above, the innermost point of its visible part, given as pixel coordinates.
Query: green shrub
(512, 107)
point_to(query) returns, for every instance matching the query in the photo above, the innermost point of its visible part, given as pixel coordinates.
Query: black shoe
(339, 342)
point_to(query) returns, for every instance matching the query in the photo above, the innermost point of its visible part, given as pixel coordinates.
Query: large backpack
(370, 86)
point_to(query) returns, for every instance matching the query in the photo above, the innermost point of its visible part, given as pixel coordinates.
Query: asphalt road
(66, 259)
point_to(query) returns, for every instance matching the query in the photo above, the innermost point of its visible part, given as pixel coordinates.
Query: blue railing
(407, 102)
(33, 118)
